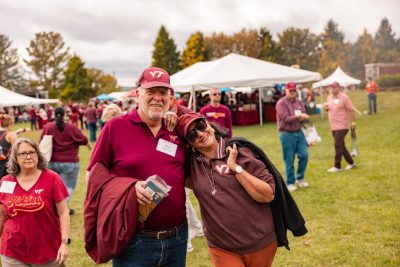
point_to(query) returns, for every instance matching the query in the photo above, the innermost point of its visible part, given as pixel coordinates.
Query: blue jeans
(372, 103)
(151, 252)
(294, 143)
(92, 131)
(69, 174)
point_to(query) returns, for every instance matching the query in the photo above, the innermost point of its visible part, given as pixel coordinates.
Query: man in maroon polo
(218, 113)
(139, 145)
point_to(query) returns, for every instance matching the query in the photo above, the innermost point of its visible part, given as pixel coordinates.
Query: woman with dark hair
(230, 182)
(34, 219)
(66, 141)
(7, 140)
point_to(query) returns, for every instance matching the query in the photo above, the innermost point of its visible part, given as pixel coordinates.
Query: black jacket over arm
(284, 209)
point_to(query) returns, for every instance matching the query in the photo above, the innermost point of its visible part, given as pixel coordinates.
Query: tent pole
(261, 106)
(322, 102)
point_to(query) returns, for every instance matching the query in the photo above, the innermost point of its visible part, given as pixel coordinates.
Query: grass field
(353, 217)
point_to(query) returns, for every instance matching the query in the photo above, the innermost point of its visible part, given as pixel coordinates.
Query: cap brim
(188, 124)
(155, 84)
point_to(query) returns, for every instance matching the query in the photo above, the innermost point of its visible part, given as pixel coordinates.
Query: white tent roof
(337, 76)
(9, 98)
(238, 71)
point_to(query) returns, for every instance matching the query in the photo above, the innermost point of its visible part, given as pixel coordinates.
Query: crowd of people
(231, 178)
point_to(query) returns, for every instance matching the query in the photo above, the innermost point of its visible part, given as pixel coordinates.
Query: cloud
(118, 35)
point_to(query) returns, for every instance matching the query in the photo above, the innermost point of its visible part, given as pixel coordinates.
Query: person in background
(139, 145)
(218, 113)
(372, 89)
(109, 112)
(341, 118)
(7, 140)
(234, 189)
(290, 114)
(91, 119)
(74, 116)
(34, 219)
(66, 141)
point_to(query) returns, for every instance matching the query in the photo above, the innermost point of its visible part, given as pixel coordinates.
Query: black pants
(340, 148)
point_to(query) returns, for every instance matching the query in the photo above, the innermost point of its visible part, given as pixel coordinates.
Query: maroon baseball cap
(291, 86)
(335, 84)
(154, 77)
(184, 122)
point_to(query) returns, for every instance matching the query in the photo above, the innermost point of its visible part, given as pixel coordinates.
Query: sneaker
(334, 169)
(302, 183)
(350, 166)
(189, 246)
(291, 187)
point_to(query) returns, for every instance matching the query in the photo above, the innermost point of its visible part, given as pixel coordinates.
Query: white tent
(337, 76)
(9, 98)
(236, 70)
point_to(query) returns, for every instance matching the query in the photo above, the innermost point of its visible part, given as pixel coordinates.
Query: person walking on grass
(341, 118)
(290, 114)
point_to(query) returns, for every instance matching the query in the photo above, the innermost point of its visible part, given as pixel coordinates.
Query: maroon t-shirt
(220, 115)
(65, 143)
(127, 146)
(32, 231)
(232, 219)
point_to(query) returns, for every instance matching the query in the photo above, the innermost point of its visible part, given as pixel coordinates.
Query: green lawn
(352, 216)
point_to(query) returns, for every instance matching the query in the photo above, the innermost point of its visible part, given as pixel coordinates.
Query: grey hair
(13, 167)
(110, 112)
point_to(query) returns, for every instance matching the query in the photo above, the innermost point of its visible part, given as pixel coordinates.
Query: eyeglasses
(215, 94)
(23, 155)
(201, 126)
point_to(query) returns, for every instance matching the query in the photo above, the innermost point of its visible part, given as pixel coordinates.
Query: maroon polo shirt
(65, 143)
(127, 146)
(285, 114)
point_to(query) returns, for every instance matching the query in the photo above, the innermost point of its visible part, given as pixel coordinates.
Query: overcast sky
(117, 36)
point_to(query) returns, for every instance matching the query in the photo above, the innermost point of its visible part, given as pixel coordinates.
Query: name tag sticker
(336, 101)
(7, 187)
(167, 147)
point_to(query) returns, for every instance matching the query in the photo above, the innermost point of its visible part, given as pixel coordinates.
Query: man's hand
(303, 117)
(170, 120)
(143, 196)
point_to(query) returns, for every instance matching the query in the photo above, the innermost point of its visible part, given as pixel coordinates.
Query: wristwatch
(238, 169)
(66, 241)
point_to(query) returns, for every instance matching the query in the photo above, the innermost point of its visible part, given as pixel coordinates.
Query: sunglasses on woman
(201, 126)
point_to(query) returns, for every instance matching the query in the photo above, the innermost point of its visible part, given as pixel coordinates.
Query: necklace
(212, 182)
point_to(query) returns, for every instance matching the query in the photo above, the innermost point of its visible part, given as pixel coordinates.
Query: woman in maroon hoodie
(66, 141)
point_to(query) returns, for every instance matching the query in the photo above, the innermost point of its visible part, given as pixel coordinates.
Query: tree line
(54, 69)
(315, 52)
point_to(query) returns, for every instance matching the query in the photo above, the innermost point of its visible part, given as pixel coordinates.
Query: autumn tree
(10, 74)
(270, 50)
(165, 54)
(48, 57)
(333, 49)
(77, 85)
(386, 45)
(103, 83)
(218, 45)
(300, 47)
(362, 52)
(195, 50)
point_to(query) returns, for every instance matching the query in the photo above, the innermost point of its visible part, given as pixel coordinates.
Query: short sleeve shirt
(340, 107)
(32, 231)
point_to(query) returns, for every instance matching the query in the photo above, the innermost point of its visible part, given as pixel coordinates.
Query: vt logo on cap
(156, 74)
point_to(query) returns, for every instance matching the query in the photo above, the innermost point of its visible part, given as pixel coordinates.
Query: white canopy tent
(236, 70)
(9, 98)
(337, 76)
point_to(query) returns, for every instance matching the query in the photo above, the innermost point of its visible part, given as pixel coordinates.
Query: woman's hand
(170, 120)
(62, 254)
(233, 153)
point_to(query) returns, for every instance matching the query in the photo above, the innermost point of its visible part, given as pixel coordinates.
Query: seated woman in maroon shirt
(232, 187)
